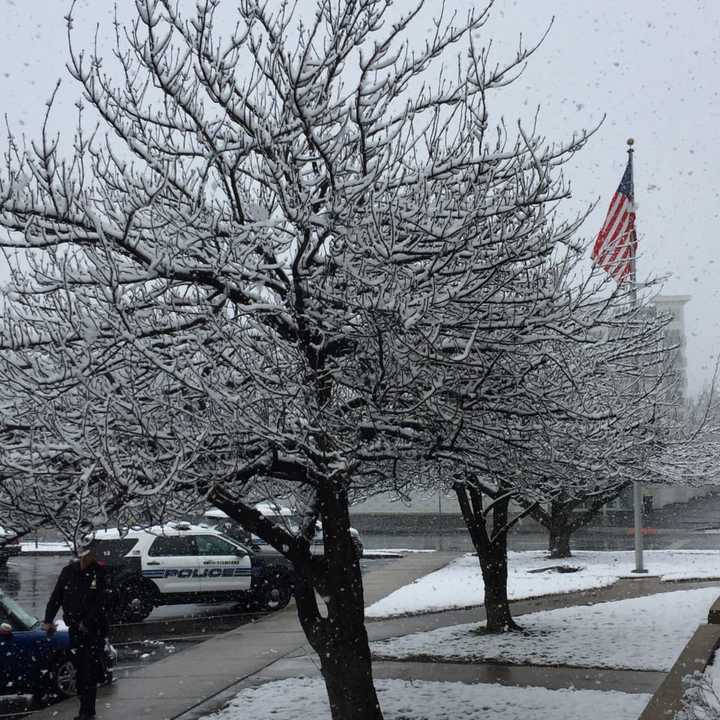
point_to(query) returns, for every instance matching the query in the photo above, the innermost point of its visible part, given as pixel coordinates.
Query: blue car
(34, 663)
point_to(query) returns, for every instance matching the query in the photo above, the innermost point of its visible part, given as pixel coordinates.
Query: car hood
(60, 639)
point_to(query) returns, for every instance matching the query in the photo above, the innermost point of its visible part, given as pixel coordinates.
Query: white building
(675, 337)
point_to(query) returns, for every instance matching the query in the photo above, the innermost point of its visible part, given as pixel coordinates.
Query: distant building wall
(675, 337)
(666, 495)
(436, 503)
(424, 513)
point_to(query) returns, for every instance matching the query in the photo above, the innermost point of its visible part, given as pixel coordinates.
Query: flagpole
(637, 489)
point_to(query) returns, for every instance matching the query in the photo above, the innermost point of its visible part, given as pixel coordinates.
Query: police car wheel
(135, 601)
(274, 594)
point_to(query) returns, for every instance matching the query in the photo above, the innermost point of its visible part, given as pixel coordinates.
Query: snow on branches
(295, 262)
(291, 257)
(299, 262)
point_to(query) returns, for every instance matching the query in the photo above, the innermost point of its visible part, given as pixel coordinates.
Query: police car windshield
(15, 614)
(291, 522)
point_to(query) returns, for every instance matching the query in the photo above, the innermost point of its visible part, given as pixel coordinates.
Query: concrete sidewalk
(547, 676)
(171, 687)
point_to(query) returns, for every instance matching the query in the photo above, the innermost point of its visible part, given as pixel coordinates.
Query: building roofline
(672, 298)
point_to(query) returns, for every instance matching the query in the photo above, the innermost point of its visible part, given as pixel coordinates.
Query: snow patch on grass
(415, 700)
(645, 633)
(460, 583)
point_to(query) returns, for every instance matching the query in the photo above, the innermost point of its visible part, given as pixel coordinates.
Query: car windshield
(235, 543)
(291, 522)
(11, 612)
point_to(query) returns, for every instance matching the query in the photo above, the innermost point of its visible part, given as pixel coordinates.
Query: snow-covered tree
(302, 261)
(565, 513)
(678, 446)
(619, 423)
(584, 418)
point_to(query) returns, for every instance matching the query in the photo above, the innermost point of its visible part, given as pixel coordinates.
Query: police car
(179, 563)
(281, 515)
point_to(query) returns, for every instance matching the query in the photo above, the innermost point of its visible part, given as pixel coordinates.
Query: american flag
(616, 243)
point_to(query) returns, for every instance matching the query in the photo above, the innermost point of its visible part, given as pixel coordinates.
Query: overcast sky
(650, 67)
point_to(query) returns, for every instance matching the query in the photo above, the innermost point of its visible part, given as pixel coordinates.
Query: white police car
(280, 514)
(179, 563)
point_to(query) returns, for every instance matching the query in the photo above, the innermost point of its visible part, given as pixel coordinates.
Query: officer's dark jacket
(83, 596)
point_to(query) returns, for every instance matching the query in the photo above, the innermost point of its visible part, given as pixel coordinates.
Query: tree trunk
(491, 550)
(559, 545)
(560, 527)
(347, 671)
(493, 564)
(339, 638)
(566, 515)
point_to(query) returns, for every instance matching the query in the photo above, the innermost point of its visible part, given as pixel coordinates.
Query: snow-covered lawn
(402, 700)
(645, 633)
(460, 583)
(45, 547)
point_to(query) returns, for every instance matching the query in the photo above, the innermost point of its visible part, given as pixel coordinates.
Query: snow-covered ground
(45, 547)
(460, 583)
(645, 633)
(403, 700)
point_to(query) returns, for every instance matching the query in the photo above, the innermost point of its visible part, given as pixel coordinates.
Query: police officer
(82, 592)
